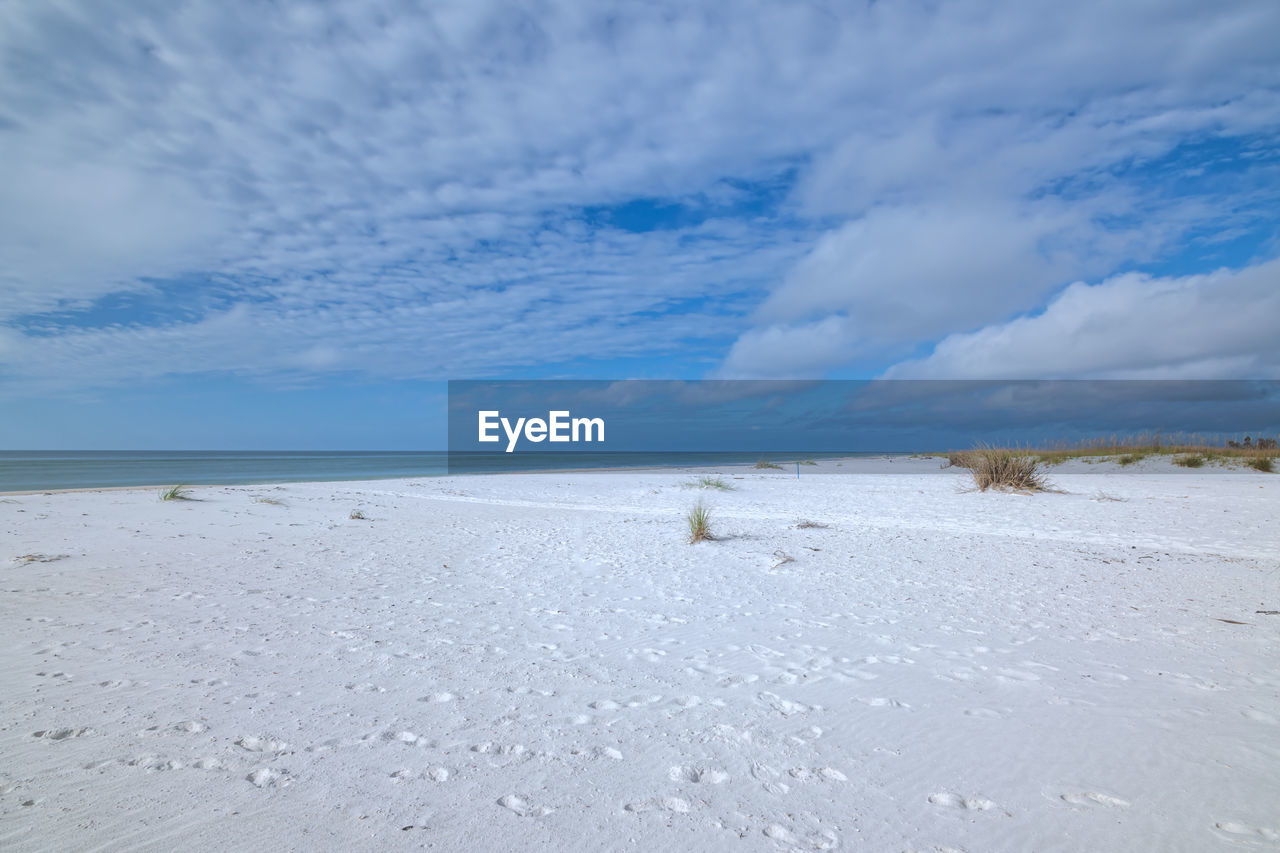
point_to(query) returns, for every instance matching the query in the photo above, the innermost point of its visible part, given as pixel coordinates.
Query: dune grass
(765, 463)
(176, 493)
(1003, 469)
(1131, 449)
(1266, 464)
(699, 521)
(807, 462)
(1192, 461)
(710, 483)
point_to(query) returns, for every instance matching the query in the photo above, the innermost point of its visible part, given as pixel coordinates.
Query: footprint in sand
(1259, 716)
(805, 774)
(438, 697)
(191, 727)
(698, 775)
(785, 707)
(769, 778)
(1241, 831)
(366, 687)
(1094, 798)
(667, 804)
(150, 762)
(265, 777)
(522, 807)
(61, 734)
(955, 801)
(983, 713)
(260, 744)
(404, 737)
(435, 774)
(599, 752)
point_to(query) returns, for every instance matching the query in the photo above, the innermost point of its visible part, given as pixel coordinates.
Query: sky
(286, 225)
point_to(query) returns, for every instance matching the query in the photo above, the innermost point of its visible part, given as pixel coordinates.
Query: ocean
(23, 470)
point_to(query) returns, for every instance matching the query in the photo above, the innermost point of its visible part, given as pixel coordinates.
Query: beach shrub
(1262, 463)
(765, 463)
(357, 515)
(1006, 470)
(1189, 461)
(176, 493)
(699, 520)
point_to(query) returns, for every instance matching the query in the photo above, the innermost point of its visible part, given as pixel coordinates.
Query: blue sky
(286, 225)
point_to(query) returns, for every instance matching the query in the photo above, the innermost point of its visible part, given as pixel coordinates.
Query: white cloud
(395, 188)
(1220, 325)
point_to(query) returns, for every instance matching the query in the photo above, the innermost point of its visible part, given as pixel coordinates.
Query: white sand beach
(542, 662)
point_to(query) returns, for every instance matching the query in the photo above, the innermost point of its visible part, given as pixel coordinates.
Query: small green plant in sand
(1189, 461)
(710, 483)
(176, 493)
(806, 524)
(1005, 470)
(699, 520)
(765, 463)
(807, 462)
(1265, 464)
(271, 501)
(357, 515)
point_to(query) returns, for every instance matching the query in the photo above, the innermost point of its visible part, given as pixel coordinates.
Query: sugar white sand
(541, 661)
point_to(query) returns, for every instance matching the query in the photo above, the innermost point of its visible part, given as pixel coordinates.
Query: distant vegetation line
(1189, 450)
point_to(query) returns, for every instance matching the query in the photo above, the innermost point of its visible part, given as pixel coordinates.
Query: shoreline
(1084, 465)
(269, 483)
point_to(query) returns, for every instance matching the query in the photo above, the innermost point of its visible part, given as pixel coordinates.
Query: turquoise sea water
(71, 469)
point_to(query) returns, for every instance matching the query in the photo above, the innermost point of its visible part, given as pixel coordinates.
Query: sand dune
(540, 661)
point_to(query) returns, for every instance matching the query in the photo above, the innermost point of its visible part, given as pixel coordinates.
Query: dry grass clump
(699, 520)
(710, 483)
(269, 501)
(1193, 461)
(1263, 463)
(960, 459)
(806, 524)
(1006, 470)
(176, 493)
(765, 463)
